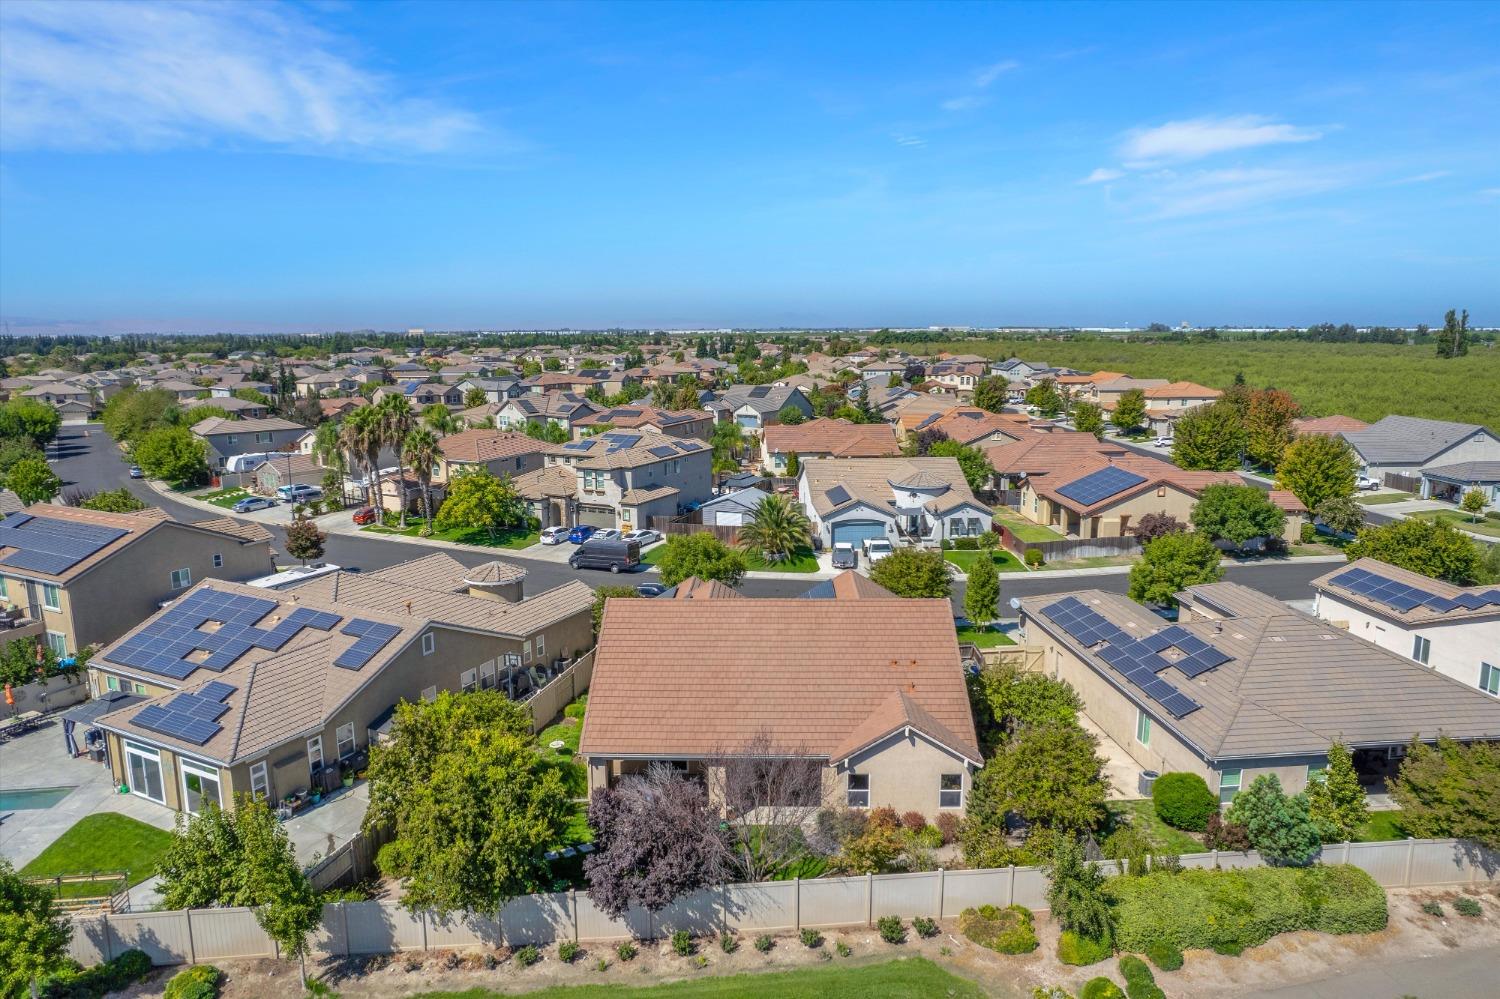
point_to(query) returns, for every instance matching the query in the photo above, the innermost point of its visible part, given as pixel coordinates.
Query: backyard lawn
(105, 841)
(1380, 827)
(1375, 499)
(515, 537)
(984, 638)
(1024, 529)
(1141, 814)
(1461, 520)
(909, 978)
(1004, 561)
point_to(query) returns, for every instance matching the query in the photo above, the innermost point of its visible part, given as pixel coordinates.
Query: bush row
(1227, 911)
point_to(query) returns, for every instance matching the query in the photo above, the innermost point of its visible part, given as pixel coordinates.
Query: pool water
(24, 799)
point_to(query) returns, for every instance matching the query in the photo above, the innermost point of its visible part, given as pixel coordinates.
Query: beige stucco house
(621, 479)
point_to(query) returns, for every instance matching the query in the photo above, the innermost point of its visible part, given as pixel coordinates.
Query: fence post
(797, 904)
(1411, 849)
(941, 876)
(573, 910)
(109, 946)
(1215, 857)
(1345, 859)
(1010, 886)
(869, 900)
(187, 915)
(344, 919)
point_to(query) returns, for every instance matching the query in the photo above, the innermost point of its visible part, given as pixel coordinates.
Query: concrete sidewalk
(1462, 974)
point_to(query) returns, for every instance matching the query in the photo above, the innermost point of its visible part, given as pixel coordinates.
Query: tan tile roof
(684, 678)
(630, 417)
(602, 453)
(245, 530)
(868, 480)
(1155, 474)
(838, 438)
(1328, 425)
(486, 445)
(493, 573)
(1421, 614)
(1182, 389)
(549, 482)
(219, 425)
(694, 588)
(967, 424)
(850, 585)
(897, 713)
(634, 497)
(1038, 454)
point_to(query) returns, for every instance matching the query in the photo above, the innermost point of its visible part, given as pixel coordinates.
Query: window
(859, 791)
(112, 683)
(260, 782)
(58, 643)
(51, 596)
(1161, 491)
(487, 675)
(1421, 648)
(218, 561)
(315, 754)
(541, 648)
(1229, 784)
(143, 772)
(1489, 678)
(140, 688)
(950, 790)
(182, 579)
(200, 786)
(429, 694)
(468, 680)
(526, 652)
(974, 527)
(344, 736)
(429, 643)
(263, 437)
(1142, 727)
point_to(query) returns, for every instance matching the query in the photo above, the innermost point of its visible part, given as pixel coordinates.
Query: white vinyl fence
(767, 907)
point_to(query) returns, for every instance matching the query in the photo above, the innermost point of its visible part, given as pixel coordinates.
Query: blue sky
(331, 165)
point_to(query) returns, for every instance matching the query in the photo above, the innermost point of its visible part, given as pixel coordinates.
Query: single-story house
(825, 438)
(921, 500)
(732, 509)
(1453, 482)
(1407, 445)
(755, 407)
(292, 468)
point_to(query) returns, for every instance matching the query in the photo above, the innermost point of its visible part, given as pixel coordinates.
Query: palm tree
(397, 421)
(421, 453)
(777, 528)
(360, 436)
(439, 418)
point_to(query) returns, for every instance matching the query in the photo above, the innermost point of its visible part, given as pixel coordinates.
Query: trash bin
(1148, 778)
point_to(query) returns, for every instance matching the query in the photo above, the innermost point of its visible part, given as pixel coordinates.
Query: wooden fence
(351, 928)
(677, 525)
(1068, 548)
(1405, 483)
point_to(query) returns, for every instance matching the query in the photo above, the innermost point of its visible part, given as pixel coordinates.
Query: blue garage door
(856, 531)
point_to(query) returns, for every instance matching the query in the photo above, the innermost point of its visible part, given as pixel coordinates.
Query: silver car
(643, 537)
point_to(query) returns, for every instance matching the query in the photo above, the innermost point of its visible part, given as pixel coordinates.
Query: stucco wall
(904, 773)
(1458, 648)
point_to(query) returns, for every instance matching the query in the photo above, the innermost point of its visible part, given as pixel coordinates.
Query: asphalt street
(86, 458)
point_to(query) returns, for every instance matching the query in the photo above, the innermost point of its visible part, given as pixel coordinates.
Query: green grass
(1379, 828)
(1460, 520)
(1091, 562)
(1004, 561)
(1023, 529)
(1375, 499)
(224, 497)
(516, 537)
(909, 978)
(568, 730)
(105, 841)
(984, 639)
(802, 560)
(1141, 814)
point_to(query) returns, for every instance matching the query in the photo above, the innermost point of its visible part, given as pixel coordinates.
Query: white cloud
(983, 79)
(1208, 192)
(1102, 175)
(908, 140)
(966, 103)
(97, 75)
(1423, 178)
(993, 72)
(1199, 137)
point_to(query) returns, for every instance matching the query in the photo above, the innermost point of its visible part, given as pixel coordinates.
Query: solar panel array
(1140, 660)
(1100, 485)
(837, 495)
(164, 645)
(1404, 597)
(584, 445)
(663, 451)
(372, 637)
(44, 544)
(191, 717)
(688, 447)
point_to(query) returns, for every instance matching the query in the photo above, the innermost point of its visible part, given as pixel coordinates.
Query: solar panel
(578, 446)
(663, 451)
(216, 690)
(687, 447)
(1179, 705)
(837, 495)
(1157, 689)
(623, 440)
(176, 724)
(45, 544)
(373, 636)
(1100, 485)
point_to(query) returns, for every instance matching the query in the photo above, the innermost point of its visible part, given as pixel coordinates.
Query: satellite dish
(1015, 603)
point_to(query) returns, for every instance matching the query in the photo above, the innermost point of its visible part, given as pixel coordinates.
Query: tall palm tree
(777, 528)
(397, 421)
(360, 435)
(421, 452)
(439, 418)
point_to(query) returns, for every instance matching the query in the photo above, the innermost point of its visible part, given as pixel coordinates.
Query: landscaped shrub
(1165, 955)
(1101, 988)
(1227, 911)
(577, 708)
(928, 836)
(843, 949)
(526, 956)
(568, 951)
(892, 930)
(1467, 906)
(1432, 908)
(947, 824)
(811, 938)
(201, 981)
(1183, 800)
(966, 544)
(1220, 834)
(914, 820)
(1034, 557)
(627, 950)
(682, 943)
(115, 975)
(1082, 951)
(764, 943)
(886, 817)
(1139, 982)
(1050, 992)
(728, 942)
(1006, 931)
(925, 927)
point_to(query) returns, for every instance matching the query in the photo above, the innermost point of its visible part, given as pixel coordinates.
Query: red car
(364, 515)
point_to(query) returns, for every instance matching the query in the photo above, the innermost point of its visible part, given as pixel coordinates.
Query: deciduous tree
(1130, 410)
(790, 416)
(974, 463)
(1088, 418)
(1335, 798)
(1237, 514)
(1268, 426)
(1045, 397)
(172, 454)
(1433, 549)
(33, 480)
(1154, 525)
(304, 541)
(1209, 437)
(603, 595)
(120, 500)
(34, 933)
(478, 498)
(1474, 502)
(1317, 467)
(701, 555)
(912, 572)
(1075, 890)
(31, 418)
(1006, 699)
(1048, 774)
(1451, 789)
(1341, 514)
(982, 594)
(1170, 564)
(990, 394)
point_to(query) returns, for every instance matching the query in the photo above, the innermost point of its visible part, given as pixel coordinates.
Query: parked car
(365, 515)
(253, 503)
(643, 537)
(554, 535)
(1364, 482)
(1162, 442)
(136, 472)
(844, 556)
(605, 534)
(650, 589)
(614, 555)
(299, 492)
(580, 534)
(876, 549)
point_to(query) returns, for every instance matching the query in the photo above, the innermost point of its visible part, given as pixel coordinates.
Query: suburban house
(74, 403)
(620, 479)
(495, 389)
(1409, 447)
(291, 468)
(275, 692)
(1452, 482)
(976, 427)
(825, 438)
(1243, 685)
(502, 452)
(1165, 404)
(88, 576)
(697, 423)
(754, 407)
(1109, 392)
(559, 409)
(918, 500)
(240, 409)
(423, 394)
(732, 509)
(1016, 370)
(1085, 388)
(1453, 630)
(1040, 454)
(957, 376)
(869, 690)
(229, 438)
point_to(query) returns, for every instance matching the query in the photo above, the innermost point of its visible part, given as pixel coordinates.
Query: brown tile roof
(634, 497)
(495, 572)
(1287, 500)
(1328, 425)
(544, 483)
(630, 417)
(218, 425)
(694, 588)
(1038, 454)
(967, 424)
(602, 452)
(687, 678)
(1421, 614)
(851, 585)
(487, 445)
(897, 713)
(135, 525)
(245, 530)
(1156, 473)
(838, 438)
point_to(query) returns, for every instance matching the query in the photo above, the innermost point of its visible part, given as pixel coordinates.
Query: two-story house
(559, 409)
(229, 438)
(923, 501)
(621, 479)
(697, 423)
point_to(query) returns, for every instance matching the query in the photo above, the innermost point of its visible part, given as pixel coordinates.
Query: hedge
(1139, 982)
(1006, 931)
(201, 981)
(1227, 911)
(1082, 951)
(115, 975)
(1101, 988)
(1183, 801)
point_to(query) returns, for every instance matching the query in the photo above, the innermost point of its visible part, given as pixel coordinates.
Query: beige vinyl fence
(768, 907)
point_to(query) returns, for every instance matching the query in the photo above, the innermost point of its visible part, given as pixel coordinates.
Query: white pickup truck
(876, 549)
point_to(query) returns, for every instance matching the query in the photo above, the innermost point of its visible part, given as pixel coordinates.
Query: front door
(200, 786)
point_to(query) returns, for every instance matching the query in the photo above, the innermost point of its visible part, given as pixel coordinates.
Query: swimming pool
(27, 798)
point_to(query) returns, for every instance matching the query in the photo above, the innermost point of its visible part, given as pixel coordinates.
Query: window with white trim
(111, 683)
(1421, 649)
(1142, 727)
(260, 780)
(344, 740)
(487, 675)
(526, 652)
(1489, 678)
(58, 643)
(263, 437)
(51, 596)
(429, 644)
(951, 791)
(315, 753)
(468, 680)
(182, 579)
(140, 688)
(1229, 784)
(859, 791)
(541, 648)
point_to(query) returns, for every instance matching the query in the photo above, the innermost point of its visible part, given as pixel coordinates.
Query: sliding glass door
(200, 786)
(143, 772)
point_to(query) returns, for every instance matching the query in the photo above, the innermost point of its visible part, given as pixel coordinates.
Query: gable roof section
(837, 438)
(216, 425)
(481, 445)
(1182, 390)
(1474, 602)
(1409, 440)
(133, 527)
(1327, 425)
(836, 483)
